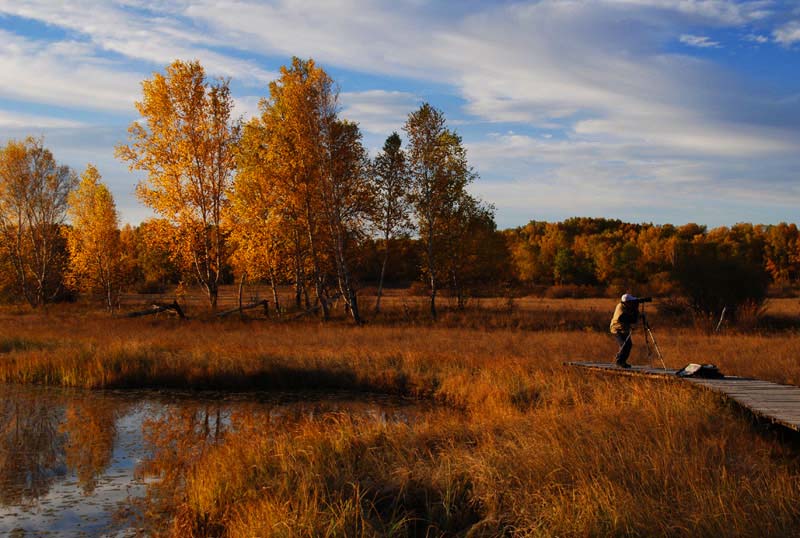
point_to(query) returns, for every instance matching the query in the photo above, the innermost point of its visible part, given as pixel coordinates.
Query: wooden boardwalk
(779, 404)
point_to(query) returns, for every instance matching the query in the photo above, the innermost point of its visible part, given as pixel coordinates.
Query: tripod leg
(655, 345)
(646, 331)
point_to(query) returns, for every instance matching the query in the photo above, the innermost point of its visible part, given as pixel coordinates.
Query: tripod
(649, 338)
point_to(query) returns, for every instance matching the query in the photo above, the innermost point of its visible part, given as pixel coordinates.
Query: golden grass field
(518, 445)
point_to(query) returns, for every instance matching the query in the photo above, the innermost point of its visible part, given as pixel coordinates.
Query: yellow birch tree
(260, 227)
(33, 202)
(303, 182)
(285, 145)
(186, 147)
(95, 254)
(439, 176)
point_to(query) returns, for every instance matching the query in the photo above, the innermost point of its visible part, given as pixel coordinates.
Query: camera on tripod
(644, 300)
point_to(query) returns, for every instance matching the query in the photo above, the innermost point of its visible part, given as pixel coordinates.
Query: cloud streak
(702, 42)
(154, 33)
(378, 111)
(62, 73)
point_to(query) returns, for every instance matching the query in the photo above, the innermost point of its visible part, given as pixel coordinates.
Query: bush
(713, 277)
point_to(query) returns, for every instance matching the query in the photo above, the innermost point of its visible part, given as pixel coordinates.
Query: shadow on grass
(7, 345)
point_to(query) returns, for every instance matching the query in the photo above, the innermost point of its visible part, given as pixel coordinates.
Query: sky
(642, 110)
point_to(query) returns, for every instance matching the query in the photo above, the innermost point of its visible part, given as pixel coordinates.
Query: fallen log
(242, 308)
(155, 308)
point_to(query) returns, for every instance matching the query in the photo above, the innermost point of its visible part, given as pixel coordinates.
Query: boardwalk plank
(772, 401)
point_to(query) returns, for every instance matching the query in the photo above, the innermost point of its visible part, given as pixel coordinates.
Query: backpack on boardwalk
(706, 371)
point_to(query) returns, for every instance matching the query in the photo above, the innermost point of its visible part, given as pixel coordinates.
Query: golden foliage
(94, 239)
(187, 149)
(33, 201)
(301, 193)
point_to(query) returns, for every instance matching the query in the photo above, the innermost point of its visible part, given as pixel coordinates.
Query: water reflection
(107, 463)
(91, 430)
(31, 448)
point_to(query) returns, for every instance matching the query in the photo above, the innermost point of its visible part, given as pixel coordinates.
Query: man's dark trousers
(625, 344)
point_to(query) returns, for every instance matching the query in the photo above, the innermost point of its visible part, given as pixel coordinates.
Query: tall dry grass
(602, 457)
(97, 351)
(521, 446)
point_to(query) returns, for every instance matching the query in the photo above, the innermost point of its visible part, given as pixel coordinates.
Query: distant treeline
(600, 255)
(606, 252)
(580, 251)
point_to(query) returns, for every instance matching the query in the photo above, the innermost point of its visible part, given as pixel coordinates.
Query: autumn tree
(292, 121)
(346, 201)
(782, 252)
(150, 264)
(186, 148)
(302, 180)
(33, 201)
(260, 228)
(714, 276)
(93, 240)
(439, 175)
(391, 209)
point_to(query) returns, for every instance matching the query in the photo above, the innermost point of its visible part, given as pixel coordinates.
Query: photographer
(625, 315)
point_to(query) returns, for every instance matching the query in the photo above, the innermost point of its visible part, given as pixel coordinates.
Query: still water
(80, 463)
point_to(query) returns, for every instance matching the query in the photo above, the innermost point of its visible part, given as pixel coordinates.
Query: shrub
(713, 277)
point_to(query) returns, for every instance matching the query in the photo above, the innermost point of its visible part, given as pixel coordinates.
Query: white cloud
(379, 37)
(699, 139)
(245, 107)
(57, 73)
(756, 38)
(10, 119)
(555, 179)
(378, 111)
(788, 34)
(698, 41)
(727, 12)
(160, 38)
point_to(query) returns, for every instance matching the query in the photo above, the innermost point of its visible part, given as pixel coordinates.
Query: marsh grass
(521, 445)
(612, 459)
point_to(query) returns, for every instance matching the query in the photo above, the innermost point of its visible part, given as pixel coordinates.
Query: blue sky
(644, 110)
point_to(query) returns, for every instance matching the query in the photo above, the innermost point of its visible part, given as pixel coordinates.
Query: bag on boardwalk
(706, 371)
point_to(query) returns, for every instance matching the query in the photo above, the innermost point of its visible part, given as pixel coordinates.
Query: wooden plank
(777, 403)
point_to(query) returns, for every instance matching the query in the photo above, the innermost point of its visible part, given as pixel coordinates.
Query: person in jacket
(625, 315)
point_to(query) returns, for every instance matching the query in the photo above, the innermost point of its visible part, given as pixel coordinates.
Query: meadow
(518, 444)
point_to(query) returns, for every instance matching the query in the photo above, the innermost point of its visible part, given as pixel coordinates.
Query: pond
(79, 463)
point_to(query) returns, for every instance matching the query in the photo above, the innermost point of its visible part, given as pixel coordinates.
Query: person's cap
(627, 297)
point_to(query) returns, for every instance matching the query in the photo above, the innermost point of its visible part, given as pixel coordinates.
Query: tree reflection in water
(177, 437)
(31, 446)
(91, 427)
